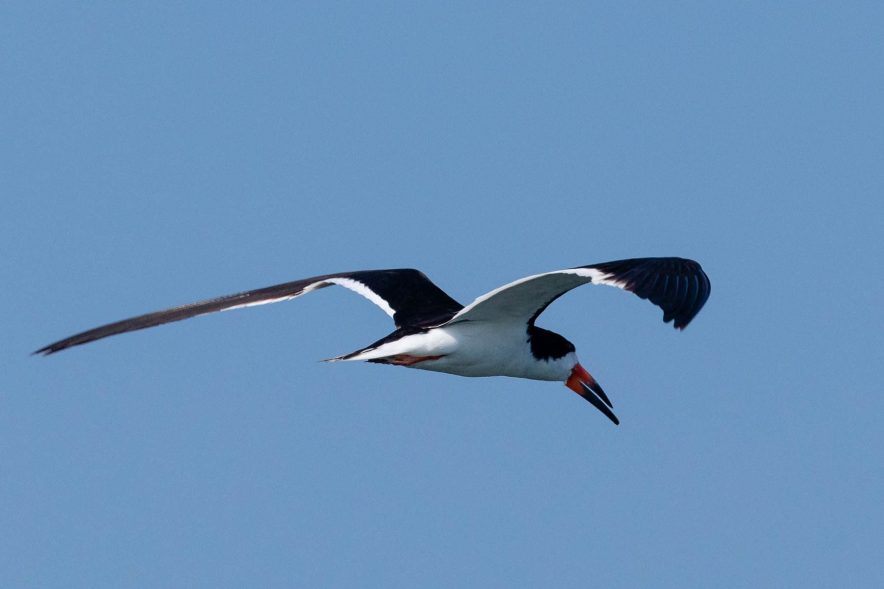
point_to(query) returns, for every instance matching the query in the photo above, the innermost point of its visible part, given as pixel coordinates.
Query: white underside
(477, 348)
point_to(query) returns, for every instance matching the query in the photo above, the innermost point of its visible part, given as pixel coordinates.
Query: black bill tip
(599, 400)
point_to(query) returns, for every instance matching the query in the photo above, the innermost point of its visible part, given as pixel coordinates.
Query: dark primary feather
(676, 285)
(412, 296)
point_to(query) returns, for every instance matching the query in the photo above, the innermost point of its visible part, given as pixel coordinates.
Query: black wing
(407, 295)
(676, 285)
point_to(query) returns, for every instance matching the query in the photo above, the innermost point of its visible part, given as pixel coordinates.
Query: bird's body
(469, 349)
(495, 335)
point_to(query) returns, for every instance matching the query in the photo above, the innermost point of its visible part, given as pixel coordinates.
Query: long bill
(582, 383)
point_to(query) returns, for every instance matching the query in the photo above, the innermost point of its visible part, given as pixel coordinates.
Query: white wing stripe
(347, 283)
(363, 290)
(596, 276)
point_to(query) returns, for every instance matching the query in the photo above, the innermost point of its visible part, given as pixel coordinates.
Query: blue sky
(156, 154)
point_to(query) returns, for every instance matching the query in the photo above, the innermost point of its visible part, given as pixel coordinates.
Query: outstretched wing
(676, 285)
(406, 295)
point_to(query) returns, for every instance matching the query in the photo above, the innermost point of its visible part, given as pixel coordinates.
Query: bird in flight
(495, 335)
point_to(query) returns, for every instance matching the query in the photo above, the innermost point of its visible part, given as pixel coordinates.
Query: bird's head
(560, 357)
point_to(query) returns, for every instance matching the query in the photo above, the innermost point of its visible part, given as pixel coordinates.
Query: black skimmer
(495, 335)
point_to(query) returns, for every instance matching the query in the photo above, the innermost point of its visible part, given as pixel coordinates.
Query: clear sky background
(158, 153)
